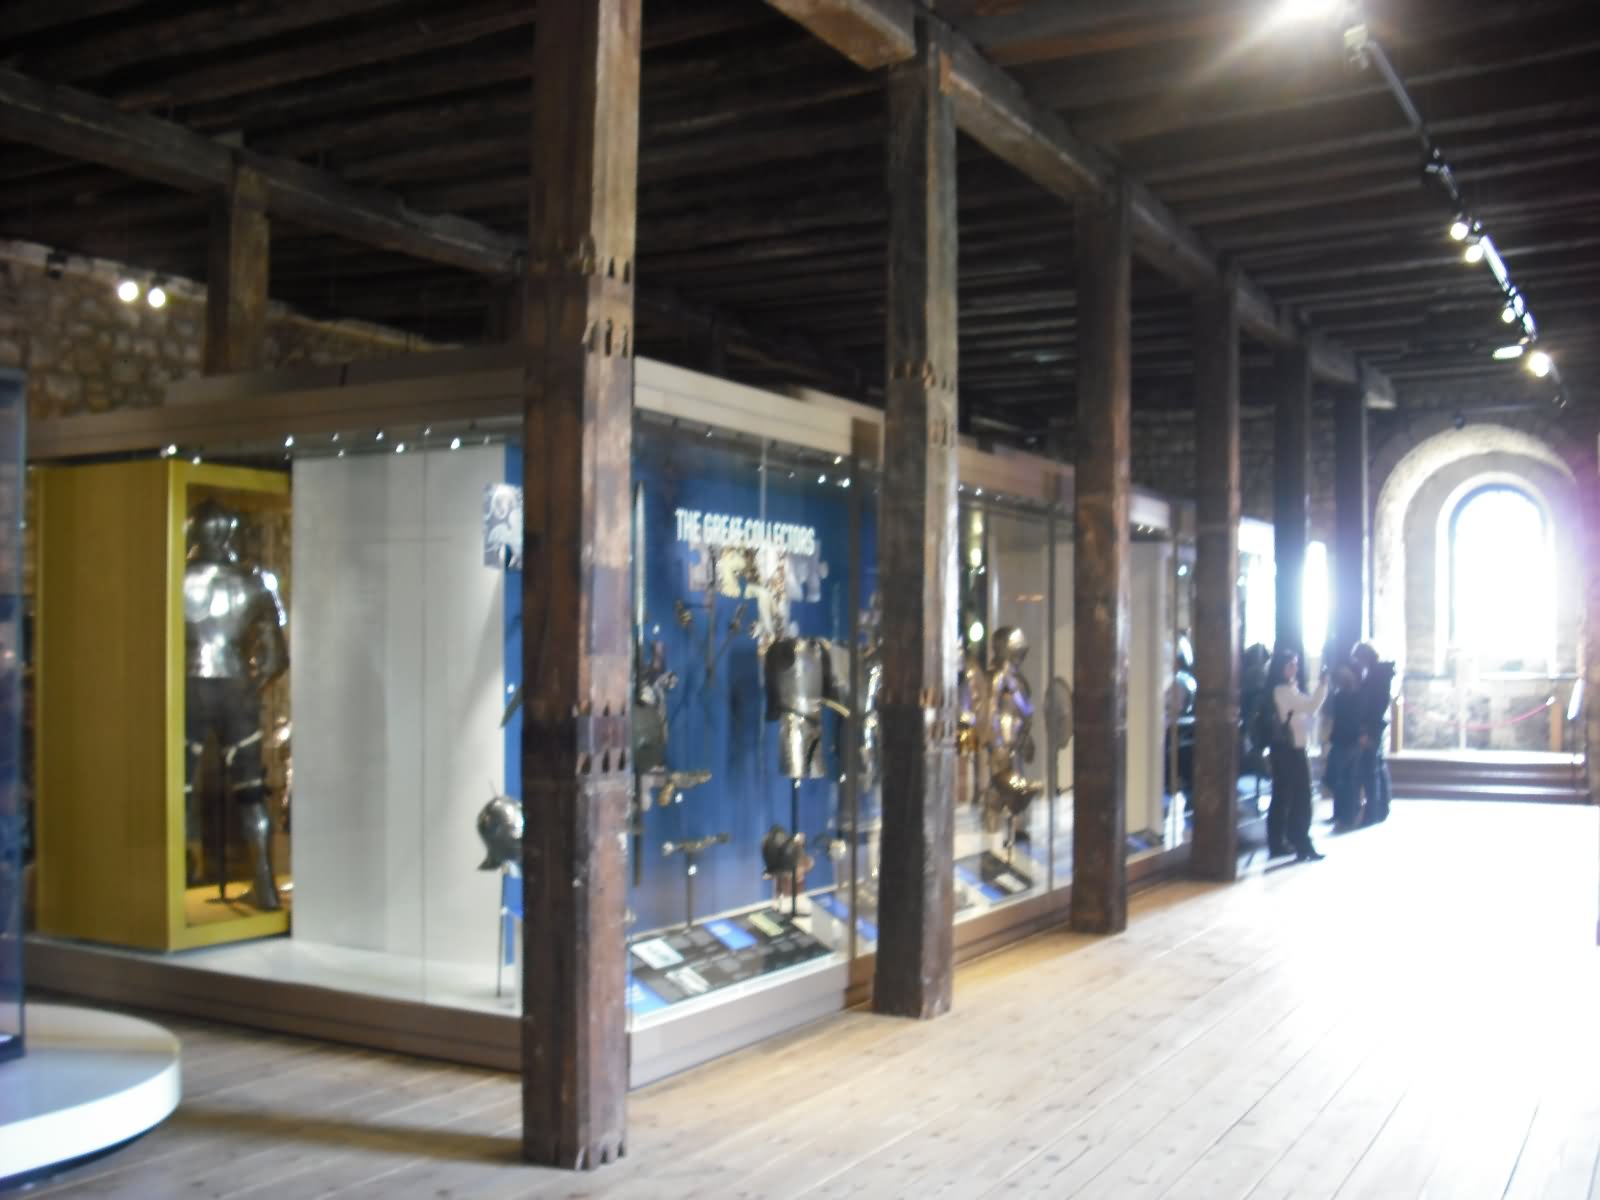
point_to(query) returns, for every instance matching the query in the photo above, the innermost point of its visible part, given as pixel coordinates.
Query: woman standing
(1289, 817)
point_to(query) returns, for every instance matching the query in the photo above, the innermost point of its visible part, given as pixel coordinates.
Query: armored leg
(258, 836)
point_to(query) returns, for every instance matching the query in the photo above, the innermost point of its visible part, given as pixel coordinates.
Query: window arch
(1502, 580)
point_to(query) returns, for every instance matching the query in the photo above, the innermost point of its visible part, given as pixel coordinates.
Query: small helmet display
(500, 827)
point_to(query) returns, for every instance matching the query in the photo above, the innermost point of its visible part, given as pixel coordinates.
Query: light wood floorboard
(1417, 1016)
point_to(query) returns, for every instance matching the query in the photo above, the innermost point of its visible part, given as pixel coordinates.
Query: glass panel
(1002, 847)
(1152, 822)
(1062, 649)
(12, 412)
(740, 848)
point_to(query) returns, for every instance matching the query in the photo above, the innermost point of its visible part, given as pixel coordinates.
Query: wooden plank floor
(1416, 1016)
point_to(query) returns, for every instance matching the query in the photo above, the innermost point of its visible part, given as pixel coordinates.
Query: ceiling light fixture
(1540, 364)
(1507, 353)
(1459, 229)
(128, 290)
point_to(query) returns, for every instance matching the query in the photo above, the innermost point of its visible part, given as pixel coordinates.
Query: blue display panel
(740, 545)
(13, 410)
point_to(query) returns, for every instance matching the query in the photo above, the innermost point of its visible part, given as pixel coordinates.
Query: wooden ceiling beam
(992, 107)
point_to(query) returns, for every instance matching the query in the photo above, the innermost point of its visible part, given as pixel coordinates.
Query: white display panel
(1150, 657)
(399, 685)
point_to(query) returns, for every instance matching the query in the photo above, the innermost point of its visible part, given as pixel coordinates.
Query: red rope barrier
(1530, 714)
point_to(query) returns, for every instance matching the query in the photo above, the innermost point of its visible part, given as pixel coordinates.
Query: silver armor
(233, 648)
(500, 827)
(801, 680)
(1010, 730)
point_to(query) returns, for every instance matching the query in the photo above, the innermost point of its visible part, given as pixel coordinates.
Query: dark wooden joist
(917, 541)
(236, 276)
(994, 109)
(1216, 574)
(1291, 496)
(73, 123)
(578, 435)
(83, 126)
(1348, 567)
(1101, 584)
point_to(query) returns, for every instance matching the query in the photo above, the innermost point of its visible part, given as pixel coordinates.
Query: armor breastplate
(223, 605)
(794, 677)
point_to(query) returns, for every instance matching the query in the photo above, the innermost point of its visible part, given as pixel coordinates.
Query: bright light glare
(1305, 10)
(1459, 230)
(1508, 314)
(1314, 599)
(127, 291)
(1502, 569)
(1505, 353)
(1539, 363)
(157, 297)
(975, 633)
(1474, 253)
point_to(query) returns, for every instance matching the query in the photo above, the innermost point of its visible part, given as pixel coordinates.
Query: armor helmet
(1010, 646)
(212, 528)
(500, 827)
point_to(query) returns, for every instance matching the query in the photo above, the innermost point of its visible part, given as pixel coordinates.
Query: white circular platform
(89, 1080)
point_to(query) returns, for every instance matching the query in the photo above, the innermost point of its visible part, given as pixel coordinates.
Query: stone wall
(1164, 461)
(87, 351)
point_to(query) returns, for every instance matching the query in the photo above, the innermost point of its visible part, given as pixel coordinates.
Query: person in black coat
(1375, 694)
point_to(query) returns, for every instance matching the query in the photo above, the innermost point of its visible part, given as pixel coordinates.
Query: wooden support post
(1216, 633)
(1291, 501)
(917, 549)
(1104, 240)
(1349, 521)
(237, 267)
(579, 441)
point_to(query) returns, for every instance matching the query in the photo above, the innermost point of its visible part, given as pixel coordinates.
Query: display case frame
(482, 390)
(121, 882)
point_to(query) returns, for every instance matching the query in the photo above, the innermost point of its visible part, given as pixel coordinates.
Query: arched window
(1502, 610)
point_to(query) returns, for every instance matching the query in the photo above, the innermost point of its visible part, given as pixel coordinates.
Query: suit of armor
(233, 648)
(1010, 731)
(801, 681)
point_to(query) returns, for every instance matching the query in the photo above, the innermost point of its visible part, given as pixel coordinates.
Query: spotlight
(1508, 352)
(1508, 314)
(156, 297)
(975, 633)
(288, 442)
(1539, 363)
(1459, 229)
(128, 291)
(1474, 252)
(455, 443)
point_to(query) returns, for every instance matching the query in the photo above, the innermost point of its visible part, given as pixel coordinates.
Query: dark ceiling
(761, 204)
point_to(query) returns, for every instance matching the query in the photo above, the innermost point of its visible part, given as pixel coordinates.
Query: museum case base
(401, 1004)
(89, 1081)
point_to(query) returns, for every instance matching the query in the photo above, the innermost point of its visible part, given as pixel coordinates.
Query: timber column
(1290, 496)
(579, 439)
(1104, 244)
(1349, 521)
(917, 549)
(1216, 575)
(236, 276)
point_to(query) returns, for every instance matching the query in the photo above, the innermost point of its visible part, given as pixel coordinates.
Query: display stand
(508, 925)
(691, 852)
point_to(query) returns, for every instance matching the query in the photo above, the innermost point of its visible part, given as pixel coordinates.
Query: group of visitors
(1357, 718)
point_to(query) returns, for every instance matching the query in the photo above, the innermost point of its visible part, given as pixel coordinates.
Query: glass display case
(754, 686)
(1016, 711)
(13, 411)
(292, 685)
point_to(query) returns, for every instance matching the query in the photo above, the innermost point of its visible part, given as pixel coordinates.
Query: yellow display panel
(110, 671)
